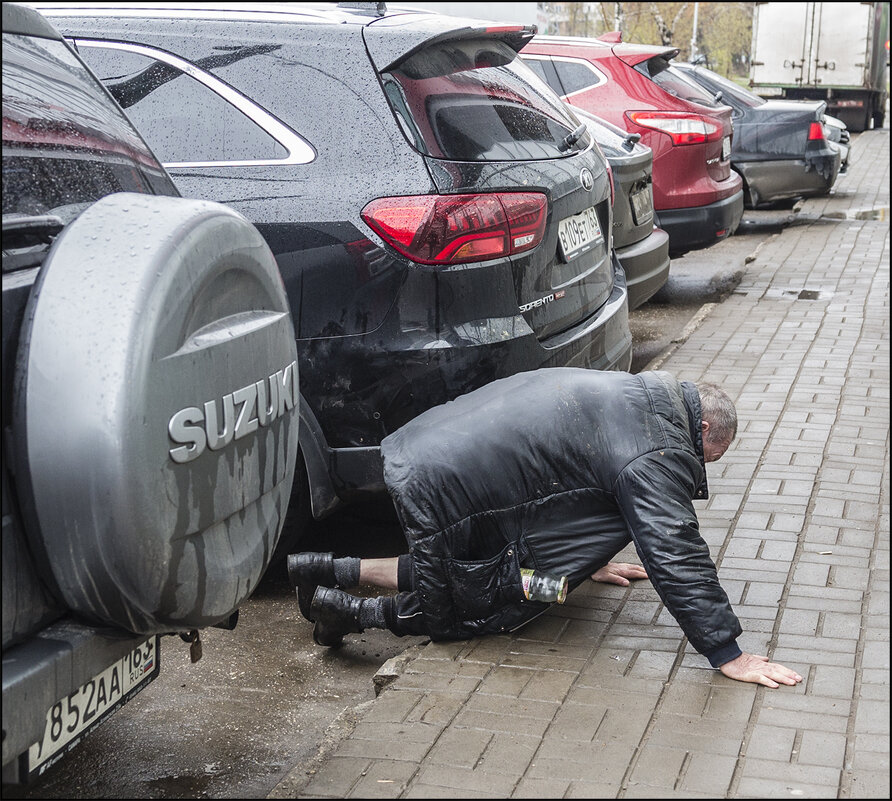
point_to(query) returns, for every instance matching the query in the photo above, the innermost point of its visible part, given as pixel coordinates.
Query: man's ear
(704, 427)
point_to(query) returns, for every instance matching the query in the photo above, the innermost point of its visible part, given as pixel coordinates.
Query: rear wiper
(47, 224)
(572, 138)
(27, 238)
(630, 141)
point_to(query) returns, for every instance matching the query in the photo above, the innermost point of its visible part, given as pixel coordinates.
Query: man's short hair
(719, 411)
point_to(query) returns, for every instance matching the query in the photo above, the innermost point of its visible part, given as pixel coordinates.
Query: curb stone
(338, 730)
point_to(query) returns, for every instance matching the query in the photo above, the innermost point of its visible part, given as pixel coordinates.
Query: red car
(697, 196)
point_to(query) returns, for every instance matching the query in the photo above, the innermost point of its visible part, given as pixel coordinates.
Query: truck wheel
(155, 402)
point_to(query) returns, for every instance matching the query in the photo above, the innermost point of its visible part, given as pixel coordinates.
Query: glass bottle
(539, 586)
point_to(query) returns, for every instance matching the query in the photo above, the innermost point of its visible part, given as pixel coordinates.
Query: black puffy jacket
(556, 469)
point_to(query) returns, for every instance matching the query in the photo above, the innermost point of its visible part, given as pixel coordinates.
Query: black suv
(149, 392)
(439, 217)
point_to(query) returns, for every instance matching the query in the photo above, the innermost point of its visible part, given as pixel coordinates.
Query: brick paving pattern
(603, 697)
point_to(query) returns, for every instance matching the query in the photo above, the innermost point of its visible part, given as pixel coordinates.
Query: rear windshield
(65, 143)
(475, 100)
(664, 75)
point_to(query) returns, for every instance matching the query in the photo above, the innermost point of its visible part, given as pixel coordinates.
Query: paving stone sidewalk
(603, 697)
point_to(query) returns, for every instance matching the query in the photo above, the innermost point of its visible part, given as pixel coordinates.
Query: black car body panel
(380, 337)
(771, 147)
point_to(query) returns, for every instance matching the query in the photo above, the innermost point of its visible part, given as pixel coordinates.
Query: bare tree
(661, 13)
(724, 30)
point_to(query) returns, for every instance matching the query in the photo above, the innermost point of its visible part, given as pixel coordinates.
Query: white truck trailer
(837, 52)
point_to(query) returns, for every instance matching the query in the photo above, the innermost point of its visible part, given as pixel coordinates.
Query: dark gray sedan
(779, 147)
(642, 247)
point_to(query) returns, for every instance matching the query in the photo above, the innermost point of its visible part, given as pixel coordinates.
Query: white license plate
(726, 147)
(579, 233)
(642, 205)
(72, 716)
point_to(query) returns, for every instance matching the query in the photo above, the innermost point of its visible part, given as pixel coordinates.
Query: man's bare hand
(758, 670)
(619, 573)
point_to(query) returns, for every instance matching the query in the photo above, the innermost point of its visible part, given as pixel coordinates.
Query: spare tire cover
(156, 412)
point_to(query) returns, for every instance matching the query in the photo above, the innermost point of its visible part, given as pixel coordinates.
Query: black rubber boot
(306, 571)
(336, 613)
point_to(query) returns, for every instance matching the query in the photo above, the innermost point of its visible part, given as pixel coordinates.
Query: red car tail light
(815, 131)
(454, 229)
(682, 127)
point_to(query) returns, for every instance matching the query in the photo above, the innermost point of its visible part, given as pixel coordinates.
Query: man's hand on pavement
(758, 670)
(619, 573)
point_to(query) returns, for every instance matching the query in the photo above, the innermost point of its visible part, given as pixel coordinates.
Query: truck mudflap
(155, 413)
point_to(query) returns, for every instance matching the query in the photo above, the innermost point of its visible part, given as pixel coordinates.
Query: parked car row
(781, 148)
(717, 147)
(698, 198)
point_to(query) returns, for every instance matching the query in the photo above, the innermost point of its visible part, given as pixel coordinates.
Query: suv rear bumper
(602, 342)
(38, 673)
(701, 226)
(647, 266)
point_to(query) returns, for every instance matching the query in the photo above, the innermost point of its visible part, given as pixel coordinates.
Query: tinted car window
(662, 73)
(476, 101)
(730, 89)
(154, 94)
(537, 65)
(576, 75)
(65, 145)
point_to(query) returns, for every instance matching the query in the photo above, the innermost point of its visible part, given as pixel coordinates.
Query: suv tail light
(815, 131)
(454, 229)
(682, 127)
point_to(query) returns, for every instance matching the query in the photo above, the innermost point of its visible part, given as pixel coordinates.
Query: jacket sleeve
(654, 496)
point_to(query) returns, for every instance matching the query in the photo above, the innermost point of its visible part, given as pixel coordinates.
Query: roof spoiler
(634, 54)
(418, 31)
(28, 22)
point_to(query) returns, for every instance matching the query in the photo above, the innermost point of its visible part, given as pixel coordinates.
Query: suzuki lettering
(194, 429)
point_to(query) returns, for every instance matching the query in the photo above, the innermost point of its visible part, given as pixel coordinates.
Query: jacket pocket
(481, 587)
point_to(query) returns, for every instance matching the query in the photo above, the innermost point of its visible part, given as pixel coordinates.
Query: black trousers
(403, 610)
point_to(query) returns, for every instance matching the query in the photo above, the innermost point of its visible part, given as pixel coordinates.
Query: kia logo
(587, 179)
